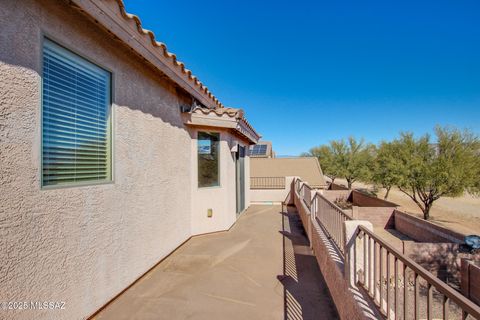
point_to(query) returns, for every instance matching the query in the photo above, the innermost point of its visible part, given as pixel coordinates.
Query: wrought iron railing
(401, 288)
(332, 218)
(398, 286)
(306, 194)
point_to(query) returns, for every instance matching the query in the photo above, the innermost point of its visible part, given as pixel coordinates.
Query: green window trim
(208, 153)
(76, 119)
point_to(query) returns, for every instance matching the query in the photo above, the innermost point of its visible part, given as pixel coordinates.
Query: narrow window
(75, 119)
(208, 164)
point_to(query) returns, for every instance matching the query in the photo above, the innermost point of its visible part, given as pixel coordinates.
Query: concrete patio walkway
(261, 269)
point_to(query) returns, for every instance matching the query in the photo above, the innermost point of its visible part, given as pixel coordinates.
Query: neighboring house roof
(126, 27)
(268, 151)
(307, 168)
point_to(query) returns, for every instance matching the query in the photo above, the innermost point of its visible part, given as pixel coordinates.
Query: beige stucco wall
(84, 245)
(221, 199)
(259, 196)
(307, 168)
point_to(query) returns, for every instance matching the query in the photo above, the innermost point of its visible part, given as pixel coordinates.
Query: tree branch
(413, 197)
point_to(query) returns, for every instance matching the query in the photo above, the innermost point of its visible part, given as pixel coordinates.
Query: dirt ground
(460, 214)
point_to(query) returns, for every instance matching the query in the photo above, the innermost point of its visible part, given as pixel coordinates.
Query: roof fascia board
(236, 125)
(245, 130)
(101, 11)
(209, 121)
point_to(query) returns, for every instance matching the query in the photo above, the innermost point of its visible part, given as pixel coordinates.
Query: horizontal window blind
(75, 119)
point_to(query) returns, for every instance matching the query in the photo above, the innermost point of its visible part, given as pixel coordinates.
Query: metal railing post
(423, 285)
(353, 248)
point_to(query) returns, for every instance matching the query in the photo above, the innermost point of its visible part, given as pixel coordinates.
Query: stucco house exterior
(112, 154)
(306, 168)
(271, 178)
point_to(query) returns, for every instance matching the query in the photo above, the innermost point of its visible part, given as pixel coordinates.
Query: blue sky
(307, 72)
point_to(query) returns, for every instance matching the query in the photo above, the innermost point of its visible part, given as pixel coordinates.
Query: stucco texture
(84, 245)
(221, 199)
(267, 196)
(307, 168)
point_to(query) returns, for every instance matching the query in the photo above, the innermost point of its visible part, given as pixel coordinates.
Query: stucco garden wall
(441, 259)
(334, 186)
(424, 231)
(470, 279)
(363, 200)
(380, 217)
(84, 245)
(333, 195)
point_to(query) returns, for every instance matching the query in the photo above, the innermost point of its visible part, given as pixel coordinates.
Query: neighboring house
(271, 178)
(112, 154)
(307, 168)
(263, 149)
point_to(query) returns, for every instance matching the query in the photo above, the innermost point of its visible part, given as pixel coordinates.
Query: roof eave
(193, 119)
(246, 129)
(112, 16)
(238, 126)
(126, 27)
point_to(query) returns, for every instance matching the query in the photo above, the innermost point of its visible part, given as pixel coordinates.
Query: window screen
(208, 163)
(75, 119)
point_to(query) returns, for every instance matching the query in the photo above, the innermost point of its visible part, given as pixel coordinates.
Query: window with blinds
(75, 119)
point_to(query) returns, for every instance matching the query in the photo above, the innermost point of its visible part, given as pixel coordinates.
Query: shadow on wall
(306, 294)
(136, 84)
(442, 259)
(143, 88)
(334, 186)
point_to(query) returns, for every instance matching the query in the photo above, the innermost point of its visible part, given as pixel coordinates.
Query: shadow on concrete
(306, 294)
